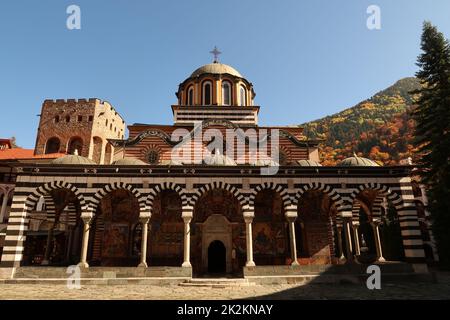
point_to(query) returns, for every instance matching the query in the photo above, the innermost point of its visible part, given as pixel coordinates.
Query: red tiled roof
(19, 153)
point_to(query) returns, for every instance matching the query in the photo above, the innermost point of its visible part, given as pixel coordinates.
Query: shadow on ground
(338, 283)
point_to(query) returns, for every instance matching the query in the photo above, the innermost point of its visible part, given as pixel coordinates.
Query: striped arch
(377, 207)
(219, 185)
(157, 189)
(117, 186)
(44, 190)
(320, 187)
(50, 207)
(383, 190)
(274, 187)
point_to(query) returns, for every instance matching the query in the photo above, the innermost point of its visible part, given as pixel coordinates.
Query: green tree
(432, 132)
(13, 142)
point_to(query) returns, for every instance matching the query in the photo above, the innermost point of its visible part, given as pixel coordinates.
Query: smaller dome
(216, 68)
(356, 161)
(129, 162)
(73, 160)
(218, 160)
(308, 163)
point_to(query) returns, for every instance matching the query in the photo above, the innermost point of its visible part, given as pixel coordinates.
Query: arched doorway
(218, 216)
(217, 257)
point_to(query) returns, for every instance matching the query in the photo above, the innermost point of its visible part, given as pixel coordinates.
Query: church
(213, 193)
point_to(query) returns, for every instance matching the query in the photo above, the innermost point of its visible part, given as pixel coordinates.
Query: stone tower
(79, 126)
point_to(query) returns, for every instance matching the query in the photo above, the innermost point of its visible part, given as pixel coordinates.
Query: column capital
(347, 219)
(291, 218)
(290, 214)
(86, 217)
(346, 214)
(187, 214)
(248, 218)
(144, 217)
(187, 218)
(375, 223)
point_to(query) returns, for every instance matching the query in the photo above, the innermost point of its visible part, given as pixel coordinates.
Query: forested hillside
(379, 128)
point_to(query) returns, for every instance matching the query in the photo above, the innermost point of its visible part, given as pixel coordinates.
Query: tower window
(80, 118)
(243, 96)
(91, 118)
(75, 144)
(56, 119)
(207, 93)
(67, 118)
(226, 93)
(190, 100)
(52, 145)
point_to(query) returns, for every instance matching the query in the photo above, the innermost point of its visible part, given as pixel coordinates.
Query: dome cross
(215, 52)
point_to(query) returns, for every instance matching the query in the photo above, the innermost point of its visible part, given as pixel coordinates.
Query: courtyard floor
(411, 290)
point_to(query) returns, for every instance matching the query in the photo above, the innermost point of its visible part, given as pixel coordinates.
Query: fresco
(166, 230)
(115, 241)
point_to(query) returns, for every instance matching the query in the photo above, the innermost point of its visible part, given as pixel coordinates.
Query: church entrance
(217, 234)
(216, 257)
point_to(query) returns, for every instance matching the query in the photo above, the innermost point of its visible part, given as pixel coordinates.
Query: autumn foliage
(379, 128)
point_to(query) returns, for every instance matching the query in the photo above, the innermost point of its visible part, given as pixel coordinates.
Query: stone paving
(416, 290)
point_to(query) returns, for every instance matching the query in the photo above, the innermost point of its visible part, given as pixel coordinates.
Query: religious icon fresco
(115, 241)
(166, 230)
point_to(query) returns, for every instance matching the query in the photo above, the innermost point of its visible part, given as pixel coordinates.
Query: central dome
(216, 68)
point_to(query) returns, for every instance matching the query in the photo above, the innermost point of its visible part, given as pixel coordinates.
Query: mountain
(379, 128)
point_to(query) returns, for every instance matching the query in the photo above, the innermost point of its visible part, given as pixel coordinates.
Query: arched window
(75, 144)
(190, 96)
(226, 93)
(52, 145)
(207, 93)
(243, 96)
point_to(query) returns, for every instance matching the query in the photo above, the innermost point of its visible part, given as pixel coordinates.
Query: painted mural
(270, 233)
(166, 230)
(114, 229)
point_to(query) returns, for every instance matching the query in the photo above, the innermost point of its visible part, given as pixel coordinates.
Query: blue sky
(306, 59)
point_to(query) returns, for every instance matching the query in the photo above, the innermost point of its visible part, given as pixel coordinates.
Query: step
(217, 282)
(156, 281)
